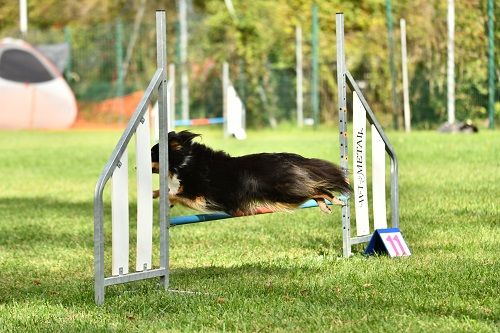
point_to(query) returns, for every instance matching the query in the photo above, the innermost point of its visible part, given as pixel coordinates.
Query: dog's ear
(178, 140)
(155, 153)
(186, 136)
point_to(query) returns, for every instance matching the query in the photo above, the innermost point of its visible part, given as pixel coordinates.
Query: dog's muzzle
(155, 167)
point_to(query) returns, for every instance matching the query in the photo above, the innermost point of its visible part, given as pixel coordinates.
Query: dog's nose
(155, 167)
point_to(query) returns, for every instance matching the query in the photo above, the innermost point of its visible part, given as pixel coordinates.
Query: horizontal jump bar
(361, 239)
(179, 220)
(199, 121)
(136, 276)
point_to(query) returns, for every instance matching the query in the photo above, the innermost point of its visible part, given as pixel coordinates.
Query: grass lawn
(278, 272)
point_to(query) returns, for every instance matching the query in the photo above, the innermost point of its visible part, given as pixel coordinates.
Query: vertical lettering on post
(359, 167)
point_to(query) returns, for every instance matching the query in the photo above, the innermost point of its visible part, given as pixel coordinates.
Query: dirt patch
(113, 113)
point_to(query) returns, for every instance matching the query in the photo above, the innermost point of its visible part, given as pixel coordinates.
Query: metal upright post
(98, 247)
(161, 44)
(344, 152)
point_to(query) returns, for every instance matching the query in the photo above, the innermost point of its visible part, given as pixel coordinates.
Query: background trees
(259, 44)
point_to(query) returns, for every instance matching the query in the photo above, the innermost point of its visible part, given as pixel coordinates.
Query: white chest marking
(173, 184)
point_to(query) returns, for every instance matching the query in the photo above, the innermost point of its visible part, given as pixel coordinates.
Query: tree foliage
(259, 45)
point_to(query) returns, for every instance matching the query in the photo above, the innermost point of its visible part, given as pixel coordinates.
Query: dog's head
(179, 149)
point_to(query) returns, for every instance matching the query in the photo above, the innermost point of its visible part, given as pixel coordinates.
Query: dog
(208, 180)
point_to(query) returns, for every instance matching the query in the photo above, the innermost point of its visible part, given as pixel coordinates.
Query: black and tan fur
(208, 180)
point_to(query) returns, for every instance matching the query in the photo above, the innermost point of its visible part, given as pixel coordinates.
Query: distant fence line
(93, 71)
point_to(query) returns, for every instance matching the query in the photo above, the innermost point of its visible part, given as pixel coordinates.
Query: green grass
(278, 272)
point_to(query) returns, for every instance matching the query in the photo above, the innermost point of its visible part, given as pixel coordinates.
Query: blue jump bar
(216, 120)
(199, 121)
(179, 220)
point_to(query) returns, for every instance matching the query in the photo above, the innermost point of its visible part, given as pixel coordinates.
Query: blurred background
(106, 51)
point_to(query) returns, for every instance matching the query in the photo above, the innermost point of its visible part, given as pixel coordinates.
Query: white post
(404, 62)
(451, 62)
(120, 218)
(230, 9)
(359, 166)
(144, 198)
(225, 86)
(299, 73)
(23, 16)
(183, 56)
(378, 181)
(171, 97)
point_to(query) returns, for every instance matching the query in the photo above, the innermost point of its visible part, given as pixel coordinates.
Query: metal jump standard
(380, 145)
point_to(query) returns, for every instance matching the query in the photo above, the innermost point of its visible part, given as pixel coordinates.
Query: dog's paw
(324, 207)
(337, 201)
(156, 194)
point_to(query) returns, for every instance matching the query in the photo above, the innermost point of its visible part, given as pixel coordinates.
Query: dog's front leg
(156, 195)
(171, 198)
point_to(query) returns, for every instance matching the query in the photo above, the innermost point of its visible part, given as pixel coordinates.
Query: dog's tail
(326, 177)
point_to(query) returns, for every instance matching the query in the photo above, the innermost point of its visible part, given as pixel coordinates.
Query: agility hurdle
(117, 169)
(361, 112)
(380, 146)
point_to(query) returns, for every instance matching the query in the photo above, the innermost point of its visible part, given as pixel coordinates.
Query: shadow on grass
(205, 287)
(77, 288)
(49, 225)
(27, 221)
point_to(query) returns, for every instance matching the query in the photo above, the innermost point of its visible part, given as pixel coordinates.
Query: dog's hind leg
(336, 201)
(323, 206)
(330, 198)
(320, 200)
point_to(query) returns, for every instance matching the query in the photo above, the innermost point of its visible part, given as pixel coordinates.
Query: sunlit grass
(279, 272)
